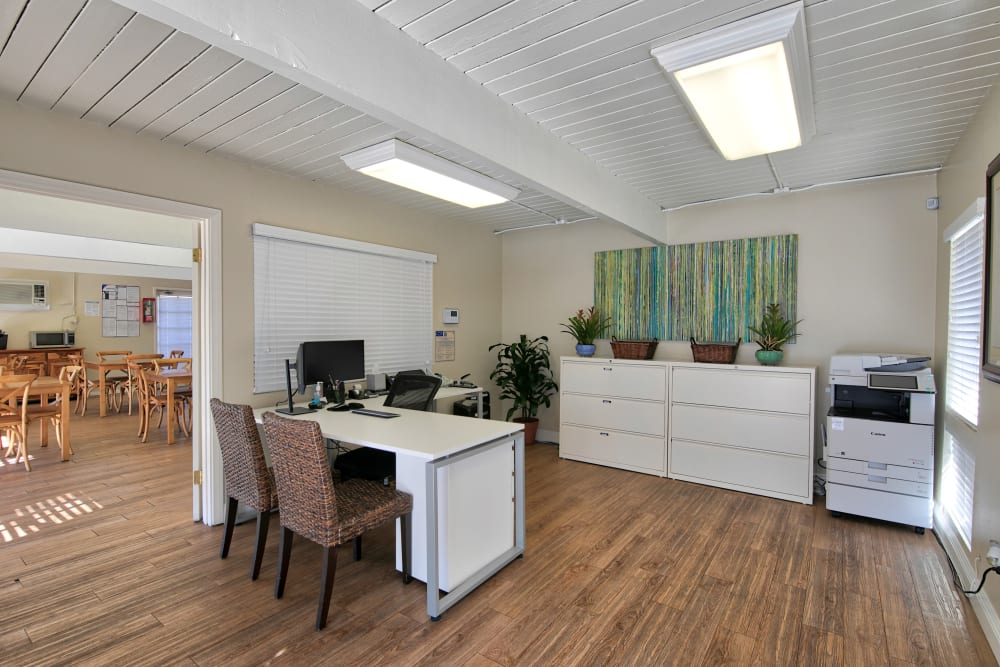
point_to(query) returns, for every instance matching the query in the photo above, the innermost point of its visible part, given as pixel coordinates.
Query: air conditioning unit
(24, 295)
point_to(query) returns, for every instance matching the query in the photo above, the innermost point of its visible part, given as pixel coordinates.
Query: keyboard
(375, 413)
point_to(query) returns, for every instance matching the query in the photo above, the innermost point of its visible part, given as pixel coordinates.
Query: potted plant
(586, 326)
(523, 375)
(772, 333)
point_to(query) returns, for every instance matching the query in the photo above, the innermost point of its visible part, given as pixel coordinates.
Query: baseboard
(986, 612)
(547, 436)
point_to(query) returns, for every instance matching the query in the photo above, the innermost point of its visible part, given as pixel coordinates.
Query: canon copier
(880, 438)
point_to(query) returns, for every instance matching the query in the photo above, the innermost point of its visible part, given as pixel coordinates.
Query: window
(173, 322)
(965, 315)
(316, 287)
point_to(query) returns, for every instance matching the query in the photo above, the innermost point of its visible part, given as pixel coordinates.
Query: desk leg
(65, 448)
(102, 387)
(170, 412)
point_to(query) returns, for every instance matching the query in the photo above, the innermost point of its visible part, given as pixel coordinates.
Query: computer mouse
(355, 406)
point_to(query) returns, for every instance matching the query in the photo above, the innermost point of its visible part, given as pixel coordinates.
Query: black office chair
(409, 390)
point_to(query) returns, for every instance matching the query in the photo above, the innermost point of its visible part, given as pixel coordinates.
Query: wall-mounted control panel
(449, 316)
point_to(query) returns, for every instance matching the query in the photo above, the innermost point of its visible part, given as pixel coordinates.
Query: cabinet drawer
(748, 389)
(620, 414)
(878, 468)
(620, 450)
(784, 433)
(880, 483)
(746, 470)
(610, 377)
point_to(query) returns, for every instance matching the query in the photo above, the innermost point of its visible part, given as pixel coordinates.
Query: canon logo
(879, 434)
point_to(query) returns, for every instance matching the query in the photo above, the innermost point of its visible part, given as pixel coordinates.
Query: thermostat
(449, 316)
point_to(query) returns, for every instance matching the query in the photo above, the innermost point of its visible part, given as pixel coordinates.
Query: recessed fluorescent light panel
(747, 83)
(412, 168)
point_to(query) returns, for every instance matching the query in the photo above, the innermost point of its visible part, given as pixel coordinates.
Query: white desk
(463, 527)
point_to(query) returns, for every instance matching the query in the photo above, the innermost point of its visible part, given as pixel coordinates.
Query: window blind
(173, 323)
(965, 314)
(315, 287)
(958, 476)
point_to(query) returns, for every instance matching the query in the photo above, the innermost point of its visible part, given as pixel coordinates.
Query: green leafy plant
(774, 330)
(524, 375)
(586, 326)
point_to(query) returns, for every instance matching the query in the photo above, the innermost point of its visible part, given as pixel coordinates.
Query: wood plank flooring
(101, 564)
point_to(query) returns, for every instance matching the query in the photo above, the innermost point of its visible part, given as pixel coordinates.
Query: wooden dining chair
(130, 388)
(46, 413)
(153, 401)
(245, 474)
(311, 506)
(114, 381)
(14, 416)
(174, 354)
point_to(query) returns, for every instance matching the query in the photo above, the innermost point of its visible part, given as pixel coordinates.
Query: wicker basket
(633, 349)
(715, 353)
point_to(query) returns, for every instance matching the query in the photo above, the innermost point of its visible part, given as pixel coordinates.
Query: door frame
(206, 289)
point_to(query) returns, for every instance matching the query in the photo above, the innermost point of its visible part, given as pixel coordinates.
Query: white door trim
(206, 288)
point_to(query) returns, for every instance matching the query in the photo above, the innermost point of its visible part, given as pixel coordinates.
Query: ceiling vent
(24, 295)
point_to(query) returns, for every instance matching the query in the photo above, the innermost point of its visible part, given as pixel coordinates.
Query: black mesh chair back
(413, 392)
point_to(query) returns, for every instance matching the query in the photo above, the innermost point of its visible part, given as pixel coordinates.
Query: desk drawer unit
(747, 428)
(613, 412)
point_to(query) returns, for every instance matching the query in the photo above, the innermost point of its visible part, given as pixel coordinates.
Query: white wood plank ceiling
(895, 83)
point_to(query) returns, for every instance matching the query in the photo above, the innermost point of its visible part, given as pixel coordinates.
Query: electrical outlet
(993, 555)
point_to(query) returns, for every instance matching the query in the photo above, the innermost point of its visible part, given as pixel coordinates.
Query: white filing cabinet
(747, 428)
(613, 412)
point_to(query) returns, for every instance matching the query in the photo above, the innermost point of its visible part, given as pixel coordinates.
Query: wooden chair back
(173, 362)
(14, 414)
(112, 355)
(174, 354)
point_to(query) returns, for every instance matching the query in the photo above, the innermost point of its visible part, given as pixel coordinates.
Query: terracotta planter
(530, 428)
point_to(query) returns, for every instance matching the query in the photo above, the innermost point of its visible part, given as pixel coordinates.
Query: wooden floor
(101, 564)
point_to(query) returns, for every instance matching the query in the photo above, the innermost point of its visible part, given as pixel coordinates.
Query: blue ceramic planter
(585, 350)
(769, 357)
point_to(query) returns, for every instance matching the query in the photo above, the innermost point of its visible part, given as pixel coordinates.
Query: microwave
(43, 339)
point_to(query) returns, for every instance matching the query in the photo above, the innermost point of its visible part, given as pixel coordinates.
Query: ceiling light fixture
(747, 83)
(416, 169)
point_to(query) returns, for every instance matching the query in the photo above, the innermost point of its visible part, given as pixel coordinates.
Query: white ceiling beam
(343, 50)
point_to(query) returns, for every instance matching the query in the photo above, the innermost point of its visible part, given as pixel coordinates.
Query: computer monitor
(329, 360)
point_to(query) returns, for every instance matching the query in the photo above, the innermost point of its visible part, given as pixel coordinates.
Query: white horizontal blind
(313, 291)
(958, 476)
(173, 323)
(965, 314)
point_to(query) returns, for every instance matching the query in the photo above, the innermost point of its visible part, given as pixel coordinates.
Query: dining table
(171, 378)
(43, 387)
(103, 368)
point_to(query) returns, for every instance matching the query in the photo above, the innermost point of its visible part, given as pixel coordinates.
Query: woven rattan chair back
(244, 467)
(302, 475)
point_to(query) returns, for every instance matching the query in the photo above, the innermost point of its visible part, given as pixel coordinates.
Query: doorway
(206, 299)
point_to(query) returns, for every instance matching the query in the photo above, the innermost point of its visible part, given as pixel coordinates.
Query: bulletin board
(120, 310)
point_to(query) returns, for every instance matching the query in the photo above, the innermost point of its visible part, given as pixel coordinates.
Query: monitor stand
(291, 409)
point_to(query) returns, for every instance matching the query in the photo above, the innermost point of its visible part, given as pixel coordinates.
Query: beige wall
(465, 277)
(67, 294)
(866, 276)
(959, 183)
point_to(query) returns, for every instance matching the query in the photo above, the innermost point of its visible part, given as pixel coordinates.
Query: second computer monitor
(329, 360)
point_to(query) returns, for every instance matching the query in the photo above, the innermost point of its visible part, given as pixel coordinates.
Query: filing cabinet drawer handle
(878, 479)
(878, 466)
(607, 368)
(603, 434)
(606, 401)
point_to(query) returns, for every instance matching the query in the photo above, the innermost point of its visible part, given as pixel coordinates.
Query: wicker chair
(248, 479)
(319, 511)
